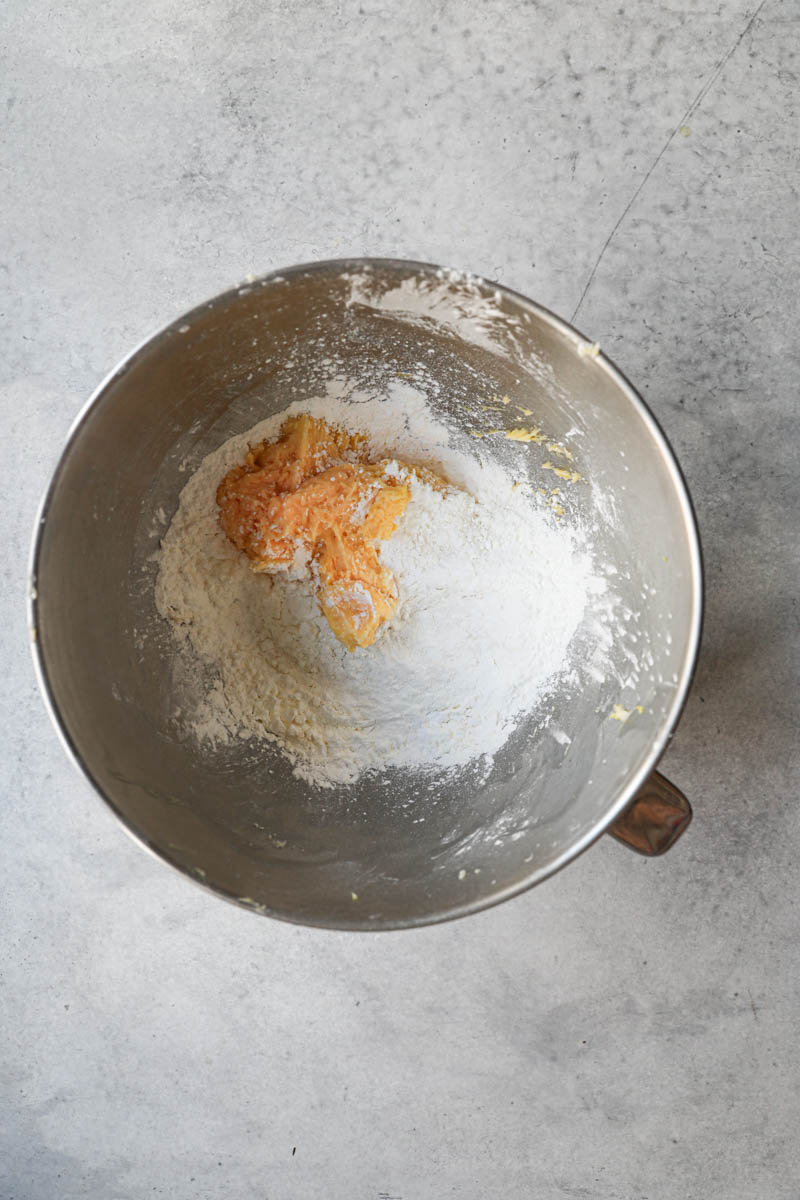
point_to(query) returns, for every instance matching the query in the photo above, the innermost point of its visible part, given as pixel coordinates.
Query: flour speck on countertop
(491, 591)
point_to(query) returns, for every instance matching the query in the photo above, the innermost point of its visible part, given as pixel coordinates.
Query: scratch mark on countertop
(753, 1005)
(693, 107)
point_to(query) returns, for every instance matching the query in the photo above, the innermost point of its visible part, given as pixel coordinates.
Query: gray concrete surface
(630, 1029)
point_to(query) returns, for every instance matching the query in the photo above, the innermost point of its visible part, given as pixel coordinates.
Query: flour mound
(491, 592)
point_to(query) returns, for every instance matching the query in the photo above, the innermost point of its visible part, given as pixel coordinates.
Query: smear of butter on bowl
(562, 451)
(562, 472)
(525, 435)
(618, 713)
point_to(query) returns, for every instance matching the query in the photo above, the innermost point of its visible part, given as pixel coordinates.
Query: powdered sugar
(491, 592)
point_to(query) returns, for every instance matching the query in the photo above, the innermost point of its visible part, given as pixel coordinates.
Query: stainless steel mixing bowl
(394, 850)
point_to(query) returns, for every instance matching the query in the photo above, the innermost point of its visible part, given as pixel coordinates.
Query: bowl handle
(655, 819)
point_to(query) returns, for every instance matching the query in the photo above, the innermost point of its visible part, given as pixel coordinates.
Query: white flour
(491, 592)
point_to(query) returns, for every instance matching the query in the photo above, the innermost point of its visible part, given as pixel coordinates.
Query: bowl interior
(409, 849)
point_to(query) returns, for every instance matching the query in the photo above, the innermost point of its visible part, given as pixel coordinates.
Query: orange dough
(312, 498)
